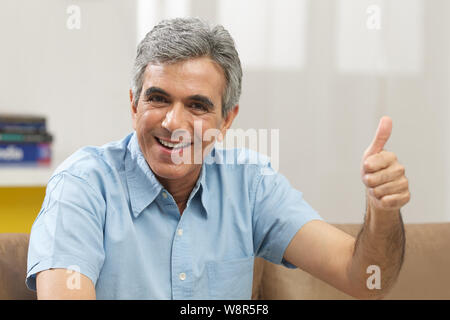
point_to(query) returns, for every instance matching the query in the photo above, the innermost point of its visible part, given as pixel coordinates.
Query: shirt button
(180, 232)
(182, 276)
(164, 194)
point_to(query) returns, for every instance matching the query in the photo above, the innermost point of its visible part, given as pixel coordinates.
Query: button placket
(181, 262)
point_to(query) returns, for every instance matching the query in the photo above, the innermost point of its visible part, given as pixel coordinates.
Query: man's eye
(158, 99)
(198, 106)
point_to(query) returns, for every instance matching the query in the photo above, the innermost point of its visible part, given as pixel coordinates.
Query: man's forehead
(200, 74)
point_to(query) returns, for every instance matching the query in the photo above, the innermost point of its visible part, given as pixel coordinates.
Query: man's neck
(180, 189)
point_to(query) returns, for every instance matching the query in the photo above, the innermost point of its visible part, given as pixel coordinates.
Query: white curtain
(323, 72)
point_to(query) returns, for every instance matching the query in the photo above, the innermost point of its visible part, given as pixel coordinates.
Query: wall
(328, 104)
(324, 82)
(79, 79)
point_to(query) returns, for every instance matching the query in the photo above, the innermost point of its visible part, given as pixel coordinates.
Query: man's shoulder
(95, 161)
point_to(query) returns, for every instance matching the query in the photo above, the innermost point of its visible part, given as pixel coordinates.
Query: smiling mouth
(171, 145)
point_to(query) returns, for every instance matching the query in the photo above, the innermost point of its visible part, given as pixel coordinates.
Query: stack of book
(24, 140)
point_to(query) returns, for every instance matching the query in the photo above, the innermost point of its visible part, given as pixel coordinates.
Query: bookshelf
(25, 176)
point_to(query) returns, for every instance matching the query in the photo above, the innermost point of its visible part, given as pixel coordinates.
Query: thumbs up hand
(387, 187)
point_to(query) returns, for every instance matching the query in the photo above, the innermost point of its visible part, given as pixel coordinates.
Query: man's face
(173, 98)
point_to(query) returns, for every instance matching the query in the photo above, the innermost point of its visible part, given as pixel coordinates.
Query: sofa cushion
(13, 266)
(424, 275)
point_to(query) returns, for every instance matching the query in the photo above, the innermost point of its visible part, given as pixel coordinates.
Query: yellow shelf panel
(19, 207)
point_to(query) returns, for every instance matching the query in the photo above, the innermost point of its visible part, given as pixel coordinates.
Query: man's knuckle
(398, 169)
(408, 196)
(377, 192)
(405, 183)
(388, 201)
(393, 156)
(384, 202)
(366, 179)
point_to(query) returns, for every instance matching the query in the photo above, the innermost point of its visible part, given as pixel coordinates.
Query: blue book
(25, 153)
(22, 123)
(22, 127)
(24, 138)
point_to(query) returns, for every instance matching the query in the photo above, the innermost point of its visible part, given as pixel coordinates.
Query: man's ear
(229, 120)
(133, 110)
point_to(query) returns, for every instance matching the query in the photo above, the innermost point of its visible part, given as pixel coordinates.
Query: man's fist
(384, 177)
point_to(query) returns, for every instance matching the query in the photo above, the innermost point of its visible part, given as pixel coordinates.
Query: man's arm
(61, 284)
(340, 260)
(326, 253)
(76, 209)
(380, 244)
(337, 258)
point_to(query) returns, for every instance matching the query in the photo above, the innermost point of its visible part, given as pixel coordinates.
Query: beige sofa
(425, 273)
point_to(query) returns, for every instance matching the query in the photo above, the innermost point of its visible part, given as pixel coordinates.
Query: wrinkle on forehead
(189, 77)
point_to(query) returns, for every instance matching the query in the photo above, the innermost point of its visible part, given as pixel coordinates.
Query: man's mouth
(172, 145)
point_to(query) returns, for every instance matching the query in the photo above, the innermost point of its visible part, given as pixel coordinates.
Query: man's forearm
(380, 243)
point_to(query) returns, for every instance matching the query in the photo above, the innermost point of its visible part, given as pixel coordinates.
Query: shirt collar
(204, 188)
(143, 185)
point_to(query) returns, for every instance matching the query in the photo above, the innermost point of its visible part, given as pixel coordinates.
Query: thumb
(381, 137)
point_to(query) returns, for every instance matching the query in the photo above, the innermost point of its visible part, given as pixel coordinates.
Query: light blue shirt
(106, 216)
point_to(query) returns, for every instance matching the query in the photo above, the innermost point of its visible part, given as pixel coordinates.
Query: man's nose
(175, 117)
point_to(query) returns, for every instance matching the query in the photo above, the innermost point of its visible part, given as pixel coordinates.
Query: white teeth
(173, 145)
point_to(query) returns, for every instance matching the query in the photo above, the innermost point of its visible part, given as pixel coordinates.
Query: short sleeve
(279, 212)
(68, 231)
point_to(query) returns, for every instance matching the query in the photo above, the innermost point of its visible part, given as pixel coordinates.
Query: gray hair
(180, 39)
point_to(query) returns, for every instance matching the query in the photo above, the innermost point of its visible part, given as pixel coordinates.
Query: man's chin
(173, 171)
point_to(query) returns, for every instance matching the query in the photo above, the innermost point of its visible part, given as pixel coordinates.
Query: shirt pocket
(231, 279)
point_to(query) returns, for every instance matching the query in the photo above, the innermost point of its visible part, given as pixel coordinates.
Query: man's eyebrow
(203, 99)
(153, 90)
(197, 97)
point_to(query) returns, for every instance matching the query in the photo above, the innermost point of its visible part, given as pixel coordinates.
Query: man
(128, 221)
